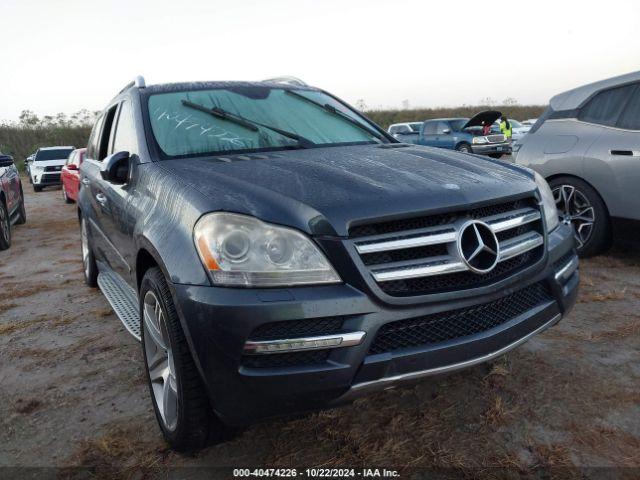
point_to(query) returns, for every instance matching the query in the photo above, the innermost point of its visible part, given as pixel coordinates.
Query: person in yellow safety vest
(505, 127)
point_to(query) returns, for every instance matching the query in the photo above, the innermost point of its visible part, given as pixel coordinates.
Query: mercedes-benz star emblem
(478, 246)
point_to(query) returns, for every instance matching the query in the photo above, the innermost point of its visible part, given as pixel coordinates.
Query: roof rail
(137, 82)
(287, 80)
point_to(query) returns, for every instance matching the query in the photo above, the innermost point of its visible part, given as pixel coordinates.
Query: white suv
(45, 168)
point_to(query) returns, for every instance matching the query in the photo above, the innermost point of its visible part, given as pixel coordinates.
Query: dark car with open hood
(470, 135)
(12, 211)
(276, 252)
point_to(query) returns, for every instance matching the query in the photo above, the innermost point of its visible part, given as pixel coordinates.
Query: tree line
(23, 137)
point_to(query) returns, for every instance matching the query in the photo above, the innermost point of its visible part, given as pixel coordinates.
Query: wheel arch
(604, 202)
(460, 143)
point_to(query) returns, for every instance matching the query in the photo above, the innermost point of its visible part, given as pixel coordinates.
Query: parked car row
(274, 251)
(462, 134)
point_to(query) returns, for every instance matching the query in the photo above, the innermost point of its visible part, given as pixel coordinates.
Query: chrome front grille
(498, 138)
(427, 259)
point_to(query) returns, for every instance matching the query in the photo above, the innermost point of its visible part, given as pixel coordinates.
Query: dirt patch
(74, 393)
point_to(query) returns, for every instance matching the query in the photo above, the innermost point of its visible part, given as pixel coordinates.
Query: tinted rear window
(630, 118)
(53, 154)
(606, 106)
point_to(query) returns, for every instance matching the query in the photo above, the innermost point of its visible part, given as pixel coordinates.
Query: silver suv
(587, 146)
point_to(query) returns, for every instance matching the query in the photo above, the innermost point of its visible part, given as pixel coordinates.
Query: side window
(393, 130)
(630, 118)
(441, 127)
(125, 135)
(606, 106)
(430, 128)
(105, 136)
(92, 146)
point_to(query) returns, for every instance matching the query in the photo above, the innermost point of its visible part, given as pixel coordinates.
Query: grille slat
(441, 327)
(419, 256)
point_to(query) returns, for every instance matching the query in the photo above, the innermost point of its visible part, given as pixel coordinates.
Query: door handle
(101, 198)
(86, 181)
(625, 153)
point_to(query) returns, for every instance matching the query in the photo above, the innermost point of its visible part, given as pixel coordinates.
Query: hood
(48, 163)
(483, 118)
(326, 190)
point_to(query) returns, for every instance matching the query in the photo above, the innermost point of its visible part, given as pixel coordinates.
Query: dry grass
(587, 297)
(122, 453)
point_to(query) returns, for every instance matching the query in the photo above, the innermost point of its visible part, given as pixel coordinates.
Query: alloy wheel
(575, 209)
(160, 364)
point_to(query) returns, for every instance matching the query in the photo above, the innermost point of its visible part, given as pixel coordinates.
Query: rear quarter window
(630, 118)
(605, 107)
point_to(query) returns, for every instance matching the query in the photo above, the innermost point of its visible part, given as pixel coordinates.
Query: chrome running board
(122, 298)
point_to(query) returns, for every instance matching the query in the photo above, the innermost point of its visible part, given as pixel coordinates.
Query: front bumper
(219, 321)
(41, 179)
(492, 148)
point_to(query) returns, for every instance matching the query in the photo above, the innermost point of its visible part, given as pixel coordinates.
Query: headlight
(480, 140)
(37, 168)
(238, 250)
(548, 202)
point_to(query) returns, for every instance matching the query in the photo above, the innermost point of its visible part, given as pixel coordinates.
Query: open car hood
(486, 117)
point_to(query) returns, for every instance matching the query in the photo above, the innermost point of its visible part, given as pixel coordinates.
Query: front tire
(37, 188)
(5, 227)
(178, 395)
(495, 155)
(580, 205)
(90, 267)
(464, 148)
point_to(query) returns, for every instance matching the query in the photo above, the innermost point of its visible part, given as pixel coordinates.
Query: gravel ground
(73, 394)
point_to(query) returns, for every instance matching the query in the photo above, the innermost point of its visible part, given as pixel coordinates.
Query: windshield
(53, 154)
(245, 119)
(515, 123)
(458, 123)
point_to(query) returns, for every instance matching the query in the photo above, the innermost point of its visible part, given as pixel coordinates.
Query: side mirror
(115, 168)
(446, 131)
(6, 161)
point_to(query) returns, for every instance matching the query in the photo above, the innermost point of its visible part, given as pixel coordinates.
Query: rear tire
(65, 196)
(5, 227)
(464, 148)
(580, 205)
(179, 399)
(90, 267)
(22, 213)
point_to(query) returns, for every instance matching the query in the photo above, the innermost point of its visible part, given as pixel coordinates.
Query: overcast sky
(61, 56)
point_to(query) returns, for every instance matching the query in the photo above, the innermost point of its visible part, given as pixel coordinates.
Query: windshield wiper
(333, 110)
(246, 123)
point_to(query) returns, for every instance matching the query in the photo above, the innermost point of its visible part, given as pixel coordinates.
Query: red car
(70, 175)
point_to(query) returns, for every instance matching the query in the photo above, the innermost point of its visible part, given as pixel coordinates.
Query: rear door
(94, 201)
(612, 162)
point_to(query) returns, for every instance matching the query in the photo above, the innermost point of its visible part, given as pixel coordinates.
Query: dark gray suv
(276, 252)
(587, 145)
